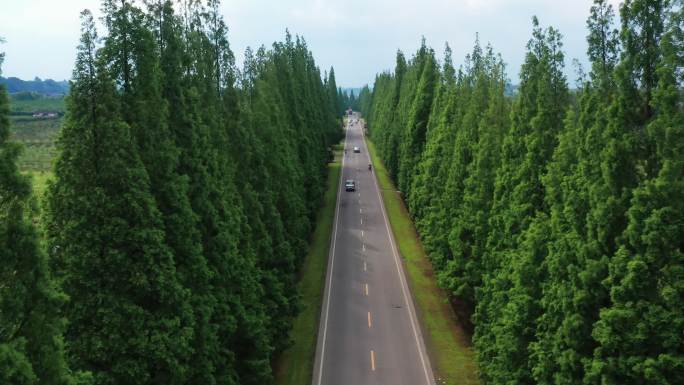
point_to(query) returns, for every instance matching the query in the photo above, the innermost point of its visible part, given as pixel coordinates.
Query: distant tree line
(344, 98)
(183, 199)
(44, 87)
(554, 218)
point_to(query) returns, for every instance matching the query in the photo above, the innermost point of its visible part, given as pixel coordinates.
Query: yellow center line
(361, 220)
(370, 324)
(364, 265)
(372, 360)
(366, 289)
(362, 233)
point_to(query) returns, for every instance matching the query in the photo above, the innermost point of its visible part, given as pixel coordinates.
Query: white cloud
(320, 12)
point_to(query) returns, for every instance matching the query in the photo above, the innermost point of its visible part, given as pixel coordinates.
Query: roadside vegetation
(183, 198)
(553, 218)
(294, 366)
(448, 343)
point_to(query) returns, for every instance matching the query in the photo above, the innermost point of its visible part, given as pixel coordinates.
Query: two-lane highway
(368, 332)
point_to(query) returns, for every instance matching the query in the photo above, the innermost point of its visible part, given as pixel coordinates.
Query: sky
(359, 38)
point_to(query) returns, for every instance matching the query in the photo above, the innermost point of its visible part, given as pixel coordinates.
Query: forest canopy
(184, 196)
(554, 217)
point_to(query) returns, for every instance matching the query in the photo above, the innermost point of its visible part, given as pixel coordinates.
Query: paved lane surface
(368, 332)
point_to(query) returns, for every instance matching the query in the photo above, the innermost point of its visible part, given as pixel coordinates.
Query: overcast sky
(358, 37)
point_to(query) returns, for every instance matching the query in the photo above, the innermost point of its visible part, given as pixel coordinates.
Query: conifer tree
(509, 303)
(562, 220)
(425, 201)
(639, 333)
(486, 120)
(434, 215)
(333, 95)
(414, 133)
(182, 225)
(573, 294)
(107, 235)
(31, 320)
(389, 122)
(236, 315)
(182, 222)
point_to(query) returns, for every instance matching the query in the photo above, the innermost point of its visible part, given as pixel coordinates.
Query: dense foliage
(184, 195)
(554, 218)
(31, 324)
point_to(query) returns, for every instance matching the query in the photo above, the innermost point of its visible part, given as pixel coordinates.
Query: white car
(357, 150)
(350, 185)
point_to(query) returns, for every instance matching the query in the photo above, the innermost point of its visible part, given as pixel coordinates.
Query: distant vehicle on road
(350, 185)
(357, 150)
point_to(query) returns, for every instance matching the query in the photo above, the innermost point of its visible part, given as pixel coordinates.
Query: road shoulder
(295, 365)
(449, 348)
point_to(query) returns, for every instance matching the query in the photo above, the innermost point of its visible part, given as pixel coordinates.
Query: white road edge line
(331, 258)
(404, 288)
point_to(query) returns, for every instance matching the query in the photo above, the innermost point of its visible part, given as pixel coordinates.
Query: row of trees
(554, 217)
(31, 343)
(184, 195)
(344, 99)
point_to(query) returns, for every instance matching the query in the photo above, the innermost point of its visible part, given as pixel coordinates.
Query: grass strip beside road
(39, 181)
(449, 348)
(295, 365)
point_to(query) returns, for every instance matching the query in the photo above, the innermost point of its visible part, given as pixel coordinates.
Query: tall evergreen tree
(483, 126)
(388, 119)
(31, 320)
(428, 183)
(235, 315)
(517, 242)
(414, 133)
(569, 250)
(573, 294)
(182, 223)
(639, 333)
(337, 104)
(106, 231)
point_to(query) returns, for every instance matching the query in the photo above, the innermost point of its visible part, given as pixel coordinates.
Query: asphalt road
(368, 332)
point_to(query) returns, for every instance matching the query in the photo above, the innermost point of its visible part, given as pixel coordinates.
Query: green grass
(295, 365)
(39, 181)
(37, 137)
(34, 105)
(448, 345)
